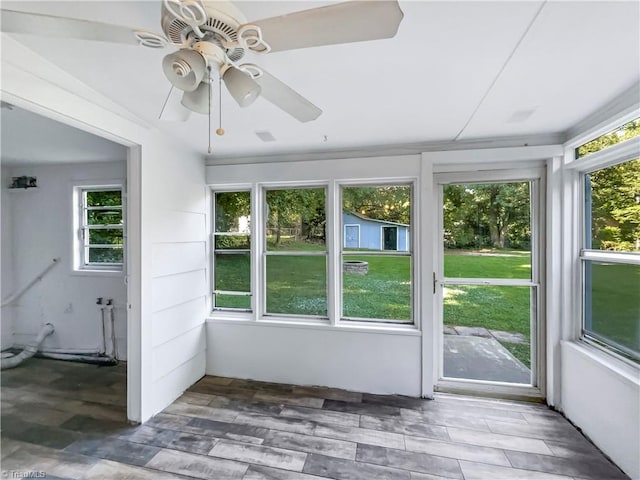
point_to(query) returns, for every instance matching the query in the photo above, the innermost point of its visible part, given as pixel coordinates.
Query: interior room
(277, 240)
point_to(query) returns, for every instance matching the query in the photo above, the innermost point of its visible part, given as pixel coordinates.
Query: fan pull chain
(220, 131)
(164, 105)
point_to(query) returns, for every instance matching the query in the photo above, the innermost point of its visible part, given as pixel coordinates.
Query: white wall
(6, 260)
(601, 396)
(42, 229)
(374, 362)
(166, 188)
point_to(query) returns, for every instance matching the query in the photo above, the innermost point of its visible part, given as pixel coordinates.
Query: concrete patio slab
(479, 358)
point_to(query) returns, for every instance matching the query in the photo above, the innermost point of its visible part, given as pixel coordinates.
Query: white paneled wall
(179, 275)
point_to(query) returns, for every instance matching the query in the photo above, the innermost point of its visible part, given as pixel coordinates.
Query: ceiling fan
(214, 36)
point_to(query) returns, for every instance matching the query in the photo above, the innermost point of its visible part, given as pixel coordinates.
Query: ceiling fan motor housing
(222, 22)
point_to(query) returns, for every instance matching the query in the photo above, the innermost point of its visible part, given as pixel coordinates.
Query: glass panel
(297, 284)
(233, 212)
(106, 255)
(296, 219)
(232, 301)
(105, 236)
(108, 198)
(377, 218)
(613, 208)
(620, 134)
(232, 242)
(612, 304)
(487, 230)
(377, 287)
(104, 217)
(487, 333)
(233, 272)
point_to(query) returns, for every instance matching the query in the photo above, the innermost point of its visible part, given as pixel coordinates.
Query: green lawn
(489, 264)
(616, 303)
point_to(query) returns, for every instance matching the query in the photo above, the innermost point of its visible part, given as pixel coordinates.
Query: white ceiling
(456, 71)
(27, 139)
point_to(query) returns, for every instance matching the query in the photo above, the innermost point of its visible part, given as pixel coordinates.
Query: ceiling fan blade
(346, 22)
(12, 21)
(287, 99)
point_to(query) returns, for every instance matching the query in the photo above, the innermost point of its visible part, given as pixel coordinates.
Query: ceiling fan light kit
(185, 69)
(198, 101)
(241, 85)
(215, 35)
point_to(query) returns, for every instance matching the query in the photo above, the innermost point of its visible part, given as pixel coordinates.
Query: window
(232, 251)
(101, 228)
(295, 252)
(376, 253)
(610, 256)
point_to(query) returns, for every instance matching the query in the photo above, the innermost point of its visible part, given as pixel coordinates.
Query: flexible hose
(29, 350)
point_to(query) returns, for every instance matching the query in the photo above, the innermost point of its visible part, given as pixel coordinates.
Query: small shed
(364, 232)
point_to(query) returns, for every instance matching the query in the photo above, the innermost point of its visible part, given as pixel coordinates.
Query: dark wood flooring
(67, 420)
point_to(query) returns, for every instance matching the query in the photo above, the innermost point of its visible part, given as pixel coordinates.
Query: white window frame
(81, 228)
(580, 167)
(263, 253)
(213, 234)
(413, 322)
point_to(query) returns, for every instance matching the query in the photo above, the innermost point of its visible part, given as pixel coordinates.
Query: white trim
(345, 234)
(133, 280)
(493, 155)
(613, 155)
(621, 110)
(628, 258)
(79, 260)
(281, 322)
(490, 176)
(424, 264)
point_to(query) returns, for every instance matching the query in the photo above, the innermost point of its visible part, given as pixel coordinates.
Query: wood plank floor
(68, 420)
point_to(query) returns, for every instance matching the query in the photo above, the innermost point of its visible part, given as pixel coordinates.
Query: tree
(487, 215)
(615, 194)
(390, 203)
(302, 208)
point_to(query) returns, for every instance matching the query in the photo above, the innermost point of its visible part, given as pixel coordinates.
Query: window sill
(87, 272)
(247, 319)
(625, 369)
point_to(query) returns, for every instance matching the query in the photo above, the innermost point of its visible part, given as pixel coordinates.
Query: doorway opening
(390, 238)
(65, 252)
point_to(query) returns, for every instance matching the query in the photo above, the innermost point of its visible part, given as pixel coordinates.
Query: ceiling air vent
(266, 136)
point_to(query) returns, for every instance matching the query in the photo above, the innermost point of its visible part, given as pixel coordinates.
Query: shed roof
(364, 217)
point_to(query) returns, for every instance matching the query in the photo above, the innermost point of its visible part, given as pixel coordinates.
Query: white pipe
(78, 358)
(20, 292)
(114, 352)
(29, 350)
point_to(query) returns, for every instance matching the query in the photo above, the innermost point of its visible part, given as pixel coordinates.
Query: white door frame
(537, 178)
